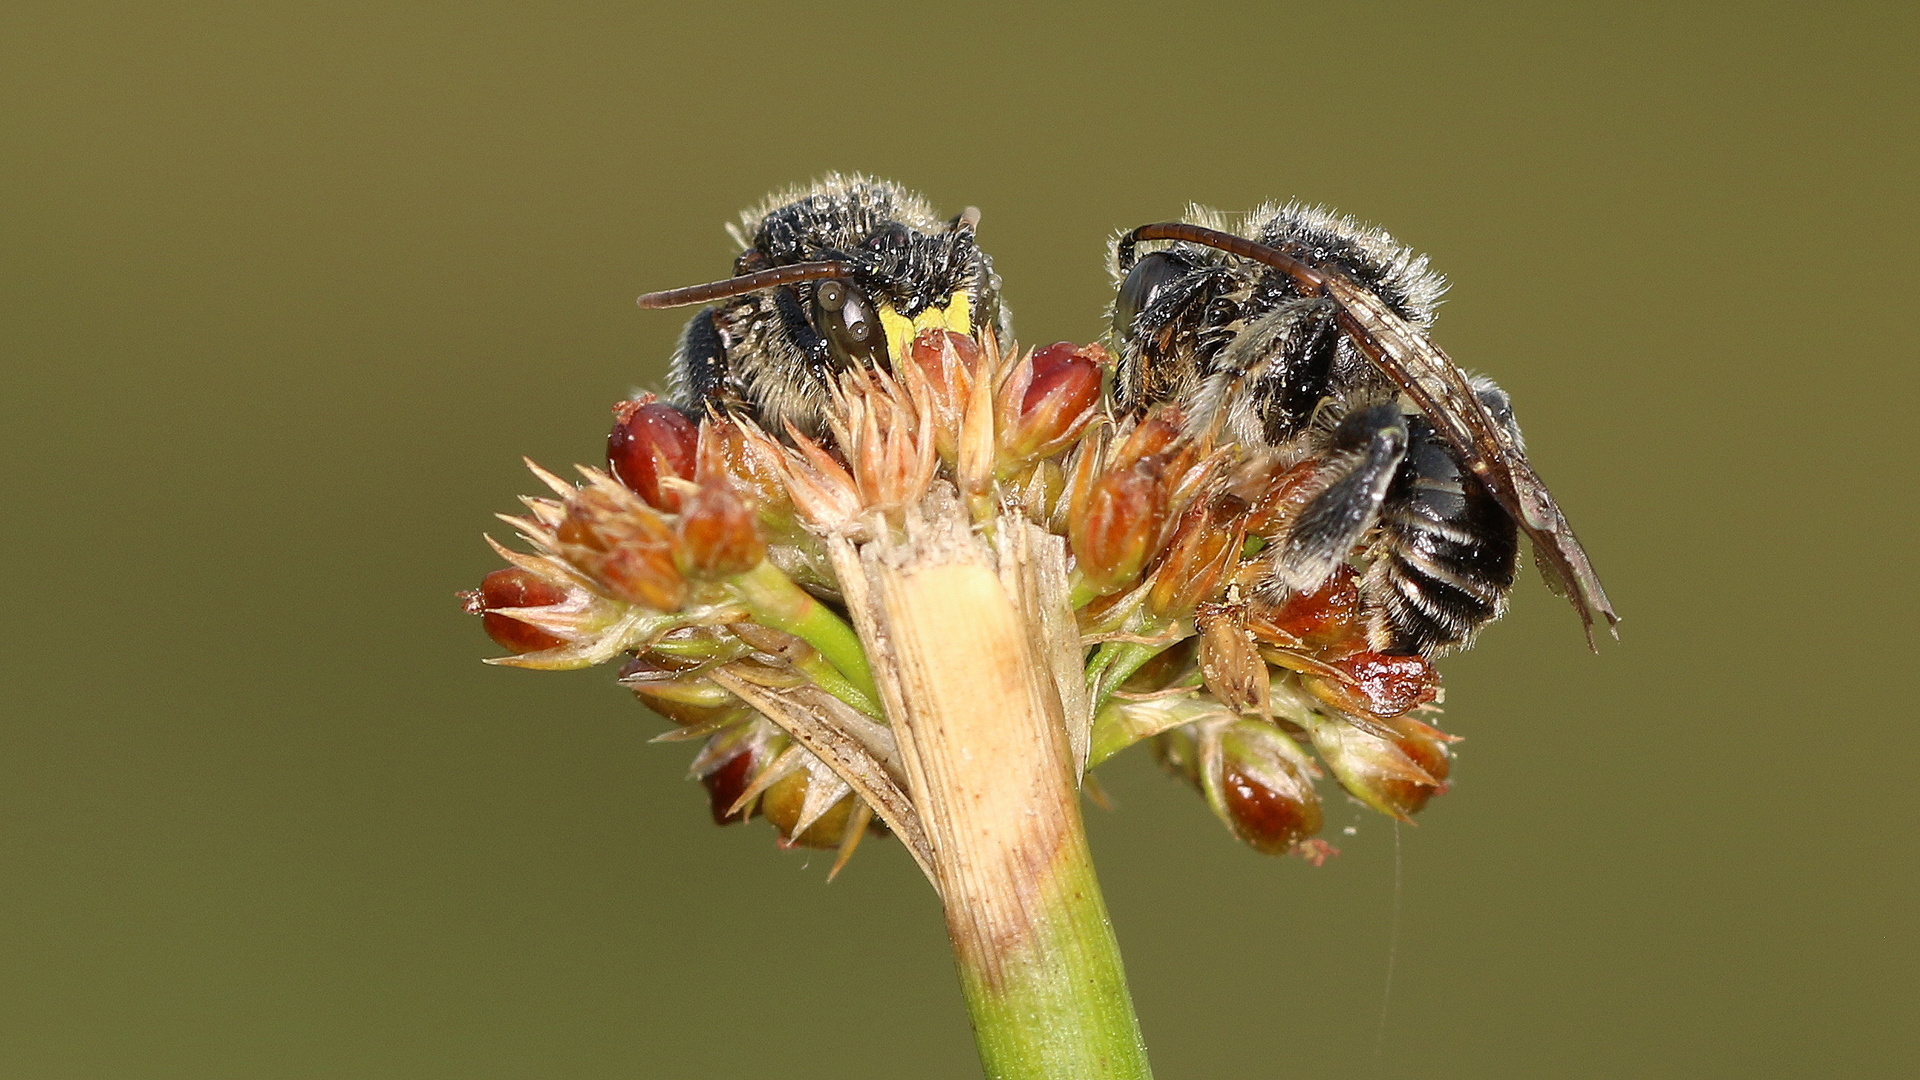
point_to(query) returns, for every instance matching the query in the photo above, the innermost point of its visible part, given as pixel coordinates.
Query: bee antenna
(1309, 278)
(746, 283)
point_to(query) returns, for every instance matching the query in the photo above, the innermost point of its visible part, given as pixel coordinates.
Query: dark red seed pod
(1379, 685)
(725, 784)
(1064, 366)
(650, 441)
(1061, 397)
(515, 588)
(1270, 821)
(1328, 620)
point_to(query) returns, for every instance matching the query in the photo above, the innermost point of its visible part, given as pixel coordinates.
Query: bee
(839, 273)
(1304, 333)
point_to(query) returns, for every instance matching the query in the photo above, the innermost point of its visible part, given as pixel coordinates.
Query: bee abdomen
(1444, 559)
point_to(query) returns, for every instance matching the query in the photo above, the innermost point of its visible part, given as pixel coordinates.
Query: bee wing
(1436, 384)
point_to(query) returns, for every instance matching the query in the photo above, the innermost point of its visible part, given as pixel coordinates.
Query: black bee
(1305, 332)
(841, 272)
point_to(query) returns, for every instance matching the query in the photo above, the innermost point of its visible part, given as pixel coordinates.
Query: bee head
(867, 264)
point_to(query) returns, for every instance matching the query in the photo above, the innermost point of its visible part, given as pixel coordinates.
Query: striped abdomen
(1444, 558)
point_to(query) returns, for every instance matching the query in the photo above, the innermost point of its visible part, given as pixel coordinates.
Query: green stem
(778, 603)
(827, 677)
(1114, 663)
(1056, 1004)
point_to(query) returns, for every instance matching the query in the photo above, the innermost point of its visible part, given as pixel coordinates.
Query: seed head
(513, 588)
(1046, 401)
(1381, 772)
(651, 443)
(1256, 779)
(622, 543)
(716, 535)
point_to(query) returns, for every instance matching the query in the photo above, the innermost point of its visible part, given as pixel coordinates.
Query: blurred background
(289, 288)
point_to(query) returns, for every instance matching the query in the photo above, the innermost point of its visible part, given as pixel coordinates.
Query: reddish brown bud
(1377, 684)
(728, 452)
(717, 534)
(1269, 820)
(514, 588)
(729, 762)
(1047, 400)
(1383, 773)
(1327, 620)
(949, 358)
(1113, 532)
(623, 544)
(1206, 543)
(1266, 788)
(1154, 435)
(645, 576)
(1256, 779)
(577, 529)
(649, 442)
(950, 362)
(1425, 746)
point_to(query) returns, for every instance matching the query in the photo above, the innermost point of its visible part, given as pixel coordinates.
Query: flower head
(711, 556)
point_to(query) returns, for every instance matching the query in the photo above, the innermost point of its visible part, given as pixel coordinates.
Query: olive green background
(288, 288)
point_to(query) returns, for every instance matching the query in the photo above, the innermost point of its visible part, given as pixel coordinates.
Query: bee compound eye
(1143, 285)
(847, 320)
(862, 324)
(830, 295)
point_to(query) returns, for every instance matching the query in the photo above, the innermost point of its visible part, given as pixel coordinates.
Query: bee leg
(1272, 377)
(793, 320)
(700, 375)
(1499, 406)
(1364, 452)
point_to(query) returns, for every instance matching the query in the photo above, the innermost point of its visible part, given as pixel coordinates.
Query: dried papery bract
(888, 442)
(623, 544)
(942, 369)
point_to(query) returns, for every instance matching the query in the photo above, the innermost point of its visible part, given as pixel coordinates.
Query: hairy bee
(842, 272)
(1304, 332)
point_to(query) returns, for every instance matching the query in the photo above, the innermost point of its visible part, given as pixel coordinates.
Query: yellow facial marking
(956, 316)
